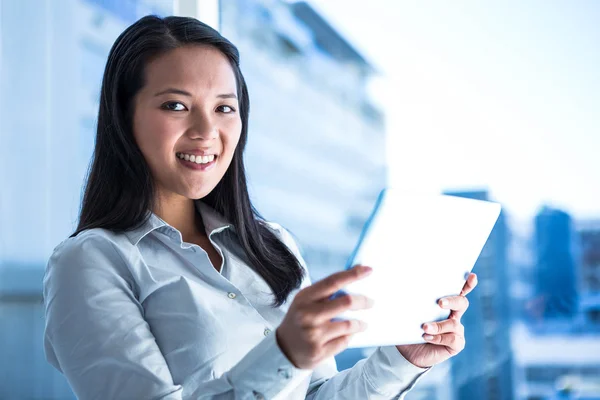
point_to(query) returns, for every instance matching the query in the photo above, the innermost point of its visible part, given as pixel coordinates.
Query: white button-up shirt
(145, 315)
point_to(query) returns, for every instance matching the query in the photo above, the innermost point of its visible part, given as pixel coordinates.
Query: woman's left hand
(446, 338)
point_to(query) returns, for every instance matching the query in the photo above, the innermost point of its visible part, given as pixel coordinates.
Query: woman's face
(188, 110)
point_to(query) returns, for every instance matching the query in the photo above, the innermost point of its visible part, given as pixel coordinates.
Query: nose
(203, 127)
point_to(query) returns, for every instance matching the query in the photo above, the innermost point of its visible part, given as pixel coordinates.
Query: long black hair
(119, 191)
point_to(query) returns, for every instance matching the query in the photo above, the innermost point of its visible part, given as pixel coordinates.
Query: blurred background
(488, 100)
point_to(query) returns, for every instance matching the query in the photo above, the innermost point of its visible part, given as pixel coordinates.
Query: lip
(198, 167)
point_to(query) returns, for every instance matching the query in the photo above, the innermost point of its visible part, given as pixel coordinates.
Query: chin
(197, 195)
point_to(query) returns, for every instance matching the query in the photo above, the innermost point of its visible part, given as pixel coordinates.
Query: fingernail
(444, 302)
(428, 337)
(365, 270)
(363, 326)
(427, 327)
(370, 302)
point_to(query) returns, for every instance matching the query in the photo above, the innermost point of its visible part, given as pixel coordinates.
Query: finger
(446, 326)
(457, 304)
(453, 341)
(328, 309)
(328, 286)
(336, 329)
(469, 284)
(335, 346)
(454, 303)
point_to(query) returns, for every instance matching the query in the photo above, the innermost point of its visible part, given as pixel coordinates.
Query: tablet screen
(421, 248)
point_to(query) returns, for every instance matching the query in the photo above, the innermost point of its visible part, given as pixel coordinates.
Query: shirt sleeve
(385, 374)
(96, 335)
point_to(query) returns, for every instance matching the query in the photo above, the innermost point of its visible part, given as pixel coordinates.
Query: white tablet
(421, 248)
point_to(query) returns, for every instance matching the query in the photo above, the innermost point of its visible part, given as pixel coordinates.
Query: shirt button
(267, 332)
(284, 373)
(231, 295)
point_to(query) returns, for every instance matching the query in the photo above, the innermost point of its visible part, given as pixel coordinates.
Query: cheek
(154, 136)
(231, 139)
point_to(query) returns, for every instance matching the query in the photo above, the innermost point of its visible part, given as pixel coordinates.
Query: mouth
(197, 162)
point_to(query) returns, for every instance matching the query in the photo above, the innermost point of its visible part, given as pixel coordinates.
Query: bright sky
(503, 95)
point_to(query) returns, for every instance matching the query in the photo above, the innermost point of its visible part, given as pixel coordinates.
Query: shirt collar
(213, 222)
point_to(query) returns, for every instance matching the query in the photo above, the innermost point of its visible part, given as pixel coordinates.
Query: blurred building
(555, 365)
(483, 370)
(557, 344)
(52, 57)
(555, 278)
(521, 267)
(588, 233)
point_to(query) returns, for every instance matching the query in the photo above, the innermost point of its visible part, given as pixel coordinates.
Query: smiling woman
(173, 286)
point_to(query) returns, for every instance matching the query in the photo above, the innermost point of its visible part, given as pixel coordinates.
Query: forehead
(193, 67)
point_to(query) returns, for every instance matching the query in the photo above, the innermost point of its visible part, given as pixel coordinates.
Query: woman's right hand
(307, 335)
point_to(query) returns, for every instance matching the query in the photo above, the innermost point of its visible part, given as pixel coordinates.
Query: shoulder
(285, 236)
(92, 251)
(91, 241)
(275, 228)
(291, 242)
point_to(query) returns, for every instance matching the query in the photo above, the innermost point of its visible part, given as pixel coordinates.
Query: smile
(198, 163)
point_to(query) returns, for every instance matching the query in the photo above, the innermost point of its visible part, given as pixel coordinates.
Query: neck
(180, 212)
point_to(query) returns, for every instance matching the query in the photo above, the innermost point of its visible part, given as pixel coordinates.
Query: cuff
(399, 362)
(265, 371)
(390, 373)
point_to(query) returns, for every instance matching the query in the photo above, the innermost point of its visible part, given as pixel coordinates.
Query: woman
(172, 286)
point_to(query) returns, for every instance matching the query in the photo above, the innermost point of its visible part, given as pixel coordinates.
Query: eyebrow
(184, 93)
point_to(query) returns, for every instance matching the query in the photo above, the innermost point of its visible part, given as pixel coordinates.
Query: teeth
(196, 159)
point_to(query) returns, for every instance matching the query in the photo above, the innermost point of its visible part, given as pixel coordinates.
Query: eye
(173, 106)
(226, 109)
